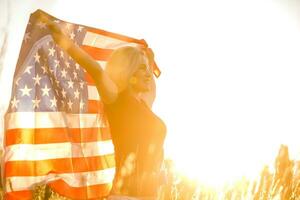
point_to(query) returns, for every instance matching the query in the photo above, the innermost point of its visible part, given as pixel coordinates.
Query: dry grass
(269, 186)
(185, 189)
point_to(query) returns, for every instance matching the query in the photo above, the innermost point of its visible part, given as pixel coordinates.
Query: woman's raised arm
(107, 89)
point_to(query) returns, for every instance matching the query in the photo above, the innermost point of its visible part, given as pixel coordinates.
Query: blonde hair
(122, 63)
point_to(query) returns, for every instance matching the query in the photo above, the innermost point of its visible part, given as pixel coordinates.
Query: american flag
(56, 132)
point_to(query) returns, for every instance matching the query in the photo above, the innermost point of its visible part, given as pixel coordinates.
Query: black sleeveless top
(138, 136)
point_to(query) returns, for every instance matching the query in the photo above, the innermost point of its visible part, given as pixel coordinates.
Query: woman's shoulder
(123, 100)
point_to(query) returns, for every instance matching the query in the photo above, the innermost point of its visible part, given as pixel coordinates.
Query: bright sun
(233, 109)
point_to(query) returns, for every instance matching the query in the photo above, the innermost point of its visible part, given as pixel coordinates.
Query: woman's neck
(132, 92)
(138, 96)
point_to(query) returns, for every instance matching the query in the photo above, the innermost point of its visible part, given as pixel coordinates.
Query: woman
(137, 133)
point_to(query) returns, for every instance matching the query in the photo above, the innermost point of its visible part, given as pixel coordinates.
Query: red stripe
(55, 135)
(97, 53)
(118, 36)
(89, 79)
(104, 54)
(88, 192)
(95, 106)
(18, 195)
(58, 166)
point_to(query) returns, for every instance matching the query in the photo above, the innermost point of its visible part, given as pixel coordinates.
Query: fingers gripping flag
(56, 132)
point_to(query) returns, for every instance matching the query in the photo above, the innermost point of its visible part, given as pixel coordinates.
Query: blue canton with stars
(47, 79)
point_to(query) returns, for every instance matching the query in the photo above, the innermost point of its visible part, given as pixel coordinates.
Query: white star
(14, 103)
(72, 36)
(56, 63)
(44, 69)
(35, 102)
(67, 64)
(75, 75)
(41, 25)
(27, 37)
(36, 79)
(76, 94)
(70, 84)
(81, 84)
(64, 93)
(77, 66)
(25, 91)
(70, 103)
(37, 57)
(53, 102)
(46, 90)
(17, 81)
(51, 51)
(64, 73)
(27, 70)
(81, 104)
(79, 28)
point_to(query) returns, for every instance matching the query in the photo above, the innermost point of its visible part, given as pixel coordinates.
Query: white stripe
(104, 42)
(102, 63)
(93, 93)
(52, 120)
(34, 152)
(72, 179)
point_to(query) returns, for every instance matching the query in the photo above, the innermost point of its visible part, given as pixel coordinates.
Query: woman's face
(142, 77)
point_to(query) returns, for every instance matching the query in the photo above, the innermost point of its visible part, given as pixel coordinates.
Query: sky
(229, 92)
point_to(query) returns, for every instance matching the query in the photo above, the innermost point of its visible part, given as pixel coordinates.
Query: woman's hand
(41, 16)
(54, 28)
